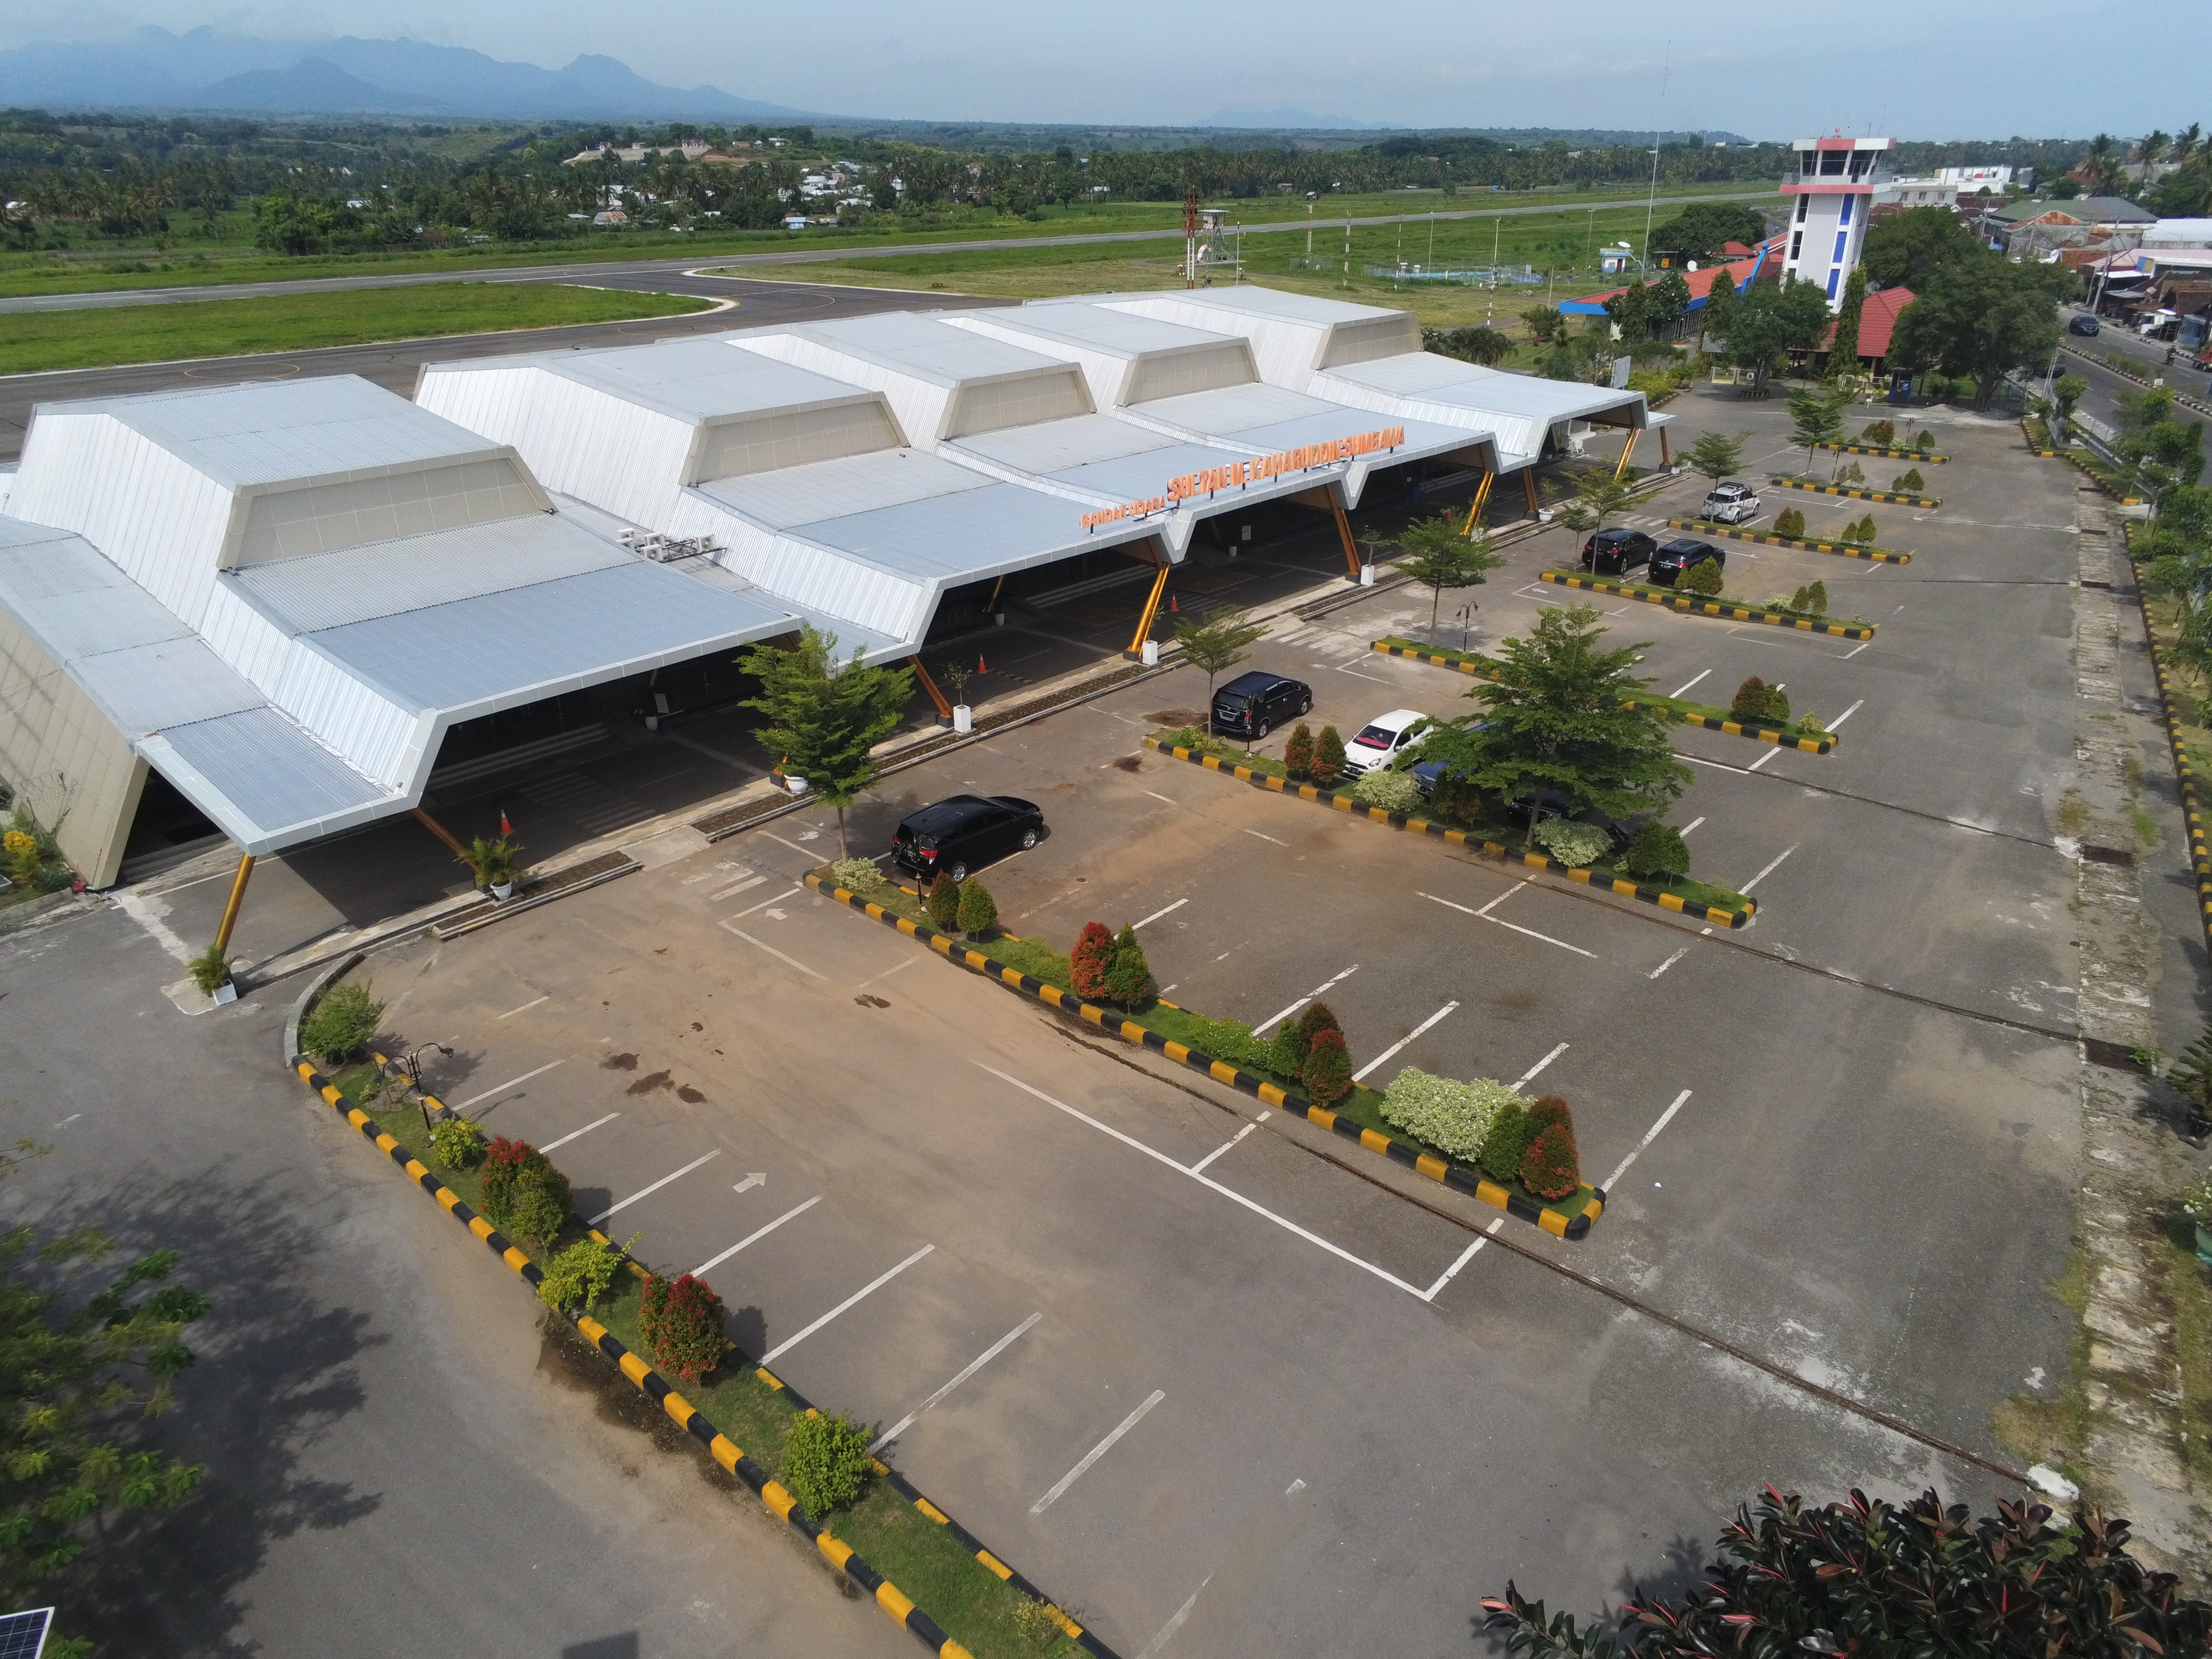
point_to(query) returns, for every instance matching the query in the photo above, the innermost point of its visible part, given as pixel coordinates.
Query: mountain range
(204, 70)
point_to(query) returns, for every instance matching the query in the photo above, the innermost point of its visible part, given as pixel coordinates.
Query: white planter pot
(964, 718)
(1151, 653)
(1367, 576)
(225, 993)
(503, 890)
(795, 784)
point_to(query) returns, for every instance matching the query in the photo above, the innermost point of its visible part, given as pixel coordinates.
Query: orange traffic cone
(505, 828)
(979, 664)
(1172, 605)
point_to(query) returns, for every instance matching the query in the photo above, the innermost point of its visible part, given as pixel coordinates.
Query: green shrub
(1298, 750)
(1089, 962)
(681, 1320)
(1853, 474)
(521, 1193)
(1816, 603)
(1925, 443)
(1316, 1018)
(1033, 1621)
(943, 901)
(1790, 522)
(1455, 1118)
(979, 911)
(458, 1144)
(580, 1275)
(1394, 791)
(1702, 577)
(1232, 1041)
(1129, 977)
(1509, 1137)
(1749, 704)
(1327, 1073)
(1908, 484)
(1882, 433)
(1572, 844)
(1329, 757)
(1658, 852)
(1551, 1168)
(1778, 705)
(209, 969)
(825, 1463)
(1183, 737)
(857, 876)
(342, 1021)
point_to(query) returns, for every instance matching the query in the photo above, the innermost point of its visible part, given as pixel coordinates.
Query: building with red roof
(1877, 323)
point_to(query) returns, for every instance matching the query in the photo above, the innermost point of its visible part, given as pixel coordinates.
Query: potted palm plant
(495, 863)
(2197, 1205)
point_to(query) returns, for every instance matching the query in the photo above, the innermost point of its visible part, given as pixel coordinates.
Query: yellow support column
(1136, 651)
(1626, 450)
(237, 898)
(1344, 531)
(1528, 484)
(1481, 501)
(438, 830)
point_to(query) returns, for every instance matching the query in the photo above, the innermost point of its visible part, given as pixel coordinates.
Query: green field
(33, 342)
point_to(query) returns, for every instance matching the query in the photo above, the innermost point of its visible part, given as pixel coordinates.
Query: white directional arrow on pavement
(755, 1179)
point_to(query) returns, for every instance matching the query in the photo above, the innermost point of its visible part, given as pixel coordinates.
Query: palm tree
(2151, 148)
(2186, 143)
(2100, 171)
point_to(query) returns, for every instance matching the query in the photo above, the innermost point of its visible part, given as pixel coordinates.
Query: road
(678, 276)
(395, 364)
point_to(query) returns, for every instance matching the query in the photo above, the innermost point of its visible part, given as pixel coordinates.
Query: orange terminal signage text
(1255, 471)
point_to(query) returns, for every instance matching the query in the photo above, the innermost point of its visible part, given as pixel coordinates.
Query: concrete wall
(71, 768)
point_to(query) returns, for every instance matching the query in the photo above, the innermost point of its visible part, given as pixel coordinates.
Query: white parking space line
(1362, 1073)
(1465, 1256)
(1652, 1135)
(1485, 915)
(597, 1122)
(511, 1082)
(904, 962)
(1098, 1452)
(647, 1192)
(1304, 1000)
(793, 845)
(971, 1368)
(1691, 824)
(860, 1295)
(1224, 1147)
(743, 884)
(1856, 649)
(1356, 675)
(1156, 914)
(765, 903)
(1255, 832)
(1501, 898)
(1530, 1073)
(1231, 1193)
(1763, 759)
(1767, 872)
(1156, 795)
(793, 961)
(1669, 962)
(1680, 690)
(1545, 938)
(525, 1007)
(713, 1262)
(1847, 713)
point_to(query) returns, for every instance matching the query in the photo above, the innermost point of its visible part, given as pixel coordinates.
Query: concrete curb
(2193, 808)
(300, 1003)
(2083, 467)
(1461, 1178)
(1893, 454)
(1543, 861)
(1842, 549)
(2033, 448)
(1857, 495)
(1706, 607)
(1734, 728)
(680, 1411)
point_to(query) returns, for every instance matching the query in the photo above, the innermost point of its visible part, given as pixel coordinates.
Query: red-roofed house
(1877, 322)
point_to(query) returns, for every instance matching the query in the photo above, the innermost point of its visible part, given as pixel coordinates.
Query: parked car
(1617, 552)
(1426, 773)
(1731, 504)
(962, 832)
(2084, 324)
(1382, 740)
(1249, 705)
(1679, 554)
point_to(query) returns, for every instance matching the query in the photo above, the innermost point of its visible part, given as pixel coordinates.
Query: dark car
(965, 832)
(2084, 324)
(1679, 554)
(1251, 704)
(1617, 552)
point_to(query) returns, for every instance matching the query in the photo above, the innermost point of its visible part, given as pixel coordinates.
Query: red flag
(505, 828)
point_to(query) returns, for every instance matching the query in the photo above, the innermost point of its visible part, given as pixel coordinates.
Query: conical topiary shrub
(1327, 1073)
(944, 902)
(1088, 962)
(1328, 764)
(1298, 750)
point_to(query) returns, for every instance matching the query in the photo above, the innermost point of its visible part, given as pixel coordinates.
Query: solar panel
(23, 1635)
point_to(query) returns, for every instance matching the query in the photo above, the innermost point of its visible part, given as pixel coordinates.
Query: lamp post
(411, 1063)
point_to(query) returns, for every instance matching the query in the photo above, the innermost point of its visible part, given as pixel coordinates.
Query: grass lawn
(300, 322)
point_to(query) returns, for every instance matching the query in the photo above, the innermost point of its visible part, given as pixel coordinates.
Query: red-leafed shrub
(522, 1194)
(1544, 1112)
(1327, 1074)
(1298, 750)
(1552, 1167)
(1091, 961)
(682, 1320)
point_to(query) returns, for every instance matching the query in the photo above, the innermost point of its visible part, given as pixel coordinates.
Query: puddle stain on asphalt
(619, 1063)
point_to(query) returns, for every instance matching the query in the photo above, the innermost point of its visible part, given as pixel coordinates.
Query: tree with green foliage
(1702, 229)
(74, 1397)
(1327, 757)
(1978, 315)
(1866, 1578)
(1471, 345)
(1216, 643)
(1712, 316)
(344, 1017)
(1816, 417)
(1703, 578)
(1843, 353)
(1667, 300)
(1905, 249)
(1434, 554)
(942, 900)
(979, 911)
(1769, 320)
(1658, 851)
(1555, 719)
(1544, 322)
(1129, 977)
(1598, 497)
(1715, 455)
(826, 1463)
(2066, 392)
(823, 718)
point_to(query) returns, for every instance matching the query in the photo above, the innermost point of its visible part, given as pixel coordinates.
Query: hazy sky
(1934, 69)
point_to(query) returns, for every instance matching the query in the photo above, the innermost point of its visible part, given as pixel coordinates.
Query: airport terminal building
(275, 601)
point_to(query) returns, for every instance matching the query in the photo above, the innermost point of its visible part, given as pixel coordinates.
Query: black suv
(1679, 554)
(964, 832)
(1617, 552)
(1249, 705)
(2082, 323)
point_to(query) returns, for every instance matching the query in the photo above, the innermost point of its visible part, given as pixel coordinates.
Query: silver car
(1731, 504)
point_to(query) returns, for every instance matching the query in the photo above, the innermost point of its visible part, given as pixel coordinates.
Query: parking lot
(1215, 1388)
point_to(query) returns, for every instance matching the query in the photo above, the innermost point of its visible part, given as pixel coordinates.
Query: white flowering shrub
(1394, 791)
(1453, 1117)
(1573, 844)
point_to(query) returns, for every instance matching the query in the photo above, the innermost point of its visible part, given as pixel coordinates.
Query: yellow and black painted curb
(1820, 745)
(1457, 1176)
(1713, 914)
(655, 1387)
(1842, 549)
(2033, 447)
(1857, 495)
(2099, 479)
(2193, 808)
(1690, 607)
(1894, 454)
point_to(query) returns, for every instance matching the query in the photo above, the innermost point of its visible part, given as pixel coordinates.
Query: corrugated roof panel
(1229, 408)
(150, 688)
(960, 537)
(795, 495)
(384, 578)
(1421, 436)
(1138, 478)
(97, 619)
(1054, 446)
(922, 345)
(1097, 327)
(270, 771)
